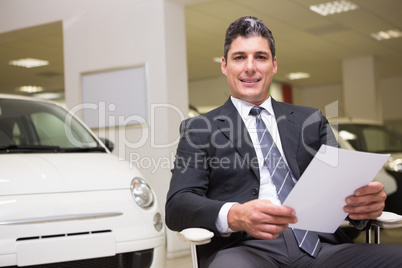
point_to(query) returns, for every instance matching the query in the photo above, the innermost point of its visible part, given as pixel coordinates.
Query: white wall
(390, 90)
(319, 97)
(361, 98)
(208, 93)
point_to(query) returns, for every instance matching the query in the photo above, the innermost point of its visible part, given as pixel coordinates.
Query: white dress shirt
(267, 188)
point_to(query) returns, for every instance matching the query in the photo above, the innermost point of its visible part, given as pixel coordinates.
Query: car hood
(63, 172)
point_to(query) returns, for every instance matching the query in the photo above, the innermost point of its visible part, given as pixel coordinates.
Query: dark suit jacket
(216, 163)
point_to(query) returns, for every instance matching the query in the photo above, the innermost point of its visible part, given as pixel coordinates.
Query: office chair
(195, 236)
(200, 236)
(388, 220)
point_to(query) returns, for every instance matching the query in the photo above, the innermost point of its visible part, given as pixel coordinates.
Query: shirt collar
(244, 107)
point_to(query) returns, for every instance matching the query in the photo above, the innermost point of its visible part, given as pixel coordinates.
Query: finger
(372, 215)
(274, 228)
(366, 199)
(279, 220)
(371, 188)
(264, 235)
(270, 217)
(368, 211)
(362, 209)
(277, 210)
(269, 231)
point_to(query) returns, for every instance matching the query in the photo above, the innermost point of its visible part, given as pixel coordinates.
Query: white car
(65, 199)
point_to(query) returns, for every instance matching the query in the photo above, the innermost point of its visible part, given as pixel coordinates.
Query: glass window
(371, 138)
(50, 130)
(41, 124)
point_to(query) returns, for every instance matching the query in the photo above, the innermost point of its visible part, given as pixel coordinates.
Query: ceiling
(305, 41)
(41, 42)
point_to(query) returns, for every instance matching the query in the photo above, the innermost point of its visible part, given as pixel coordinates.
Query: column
(176, 98)
(360, 90)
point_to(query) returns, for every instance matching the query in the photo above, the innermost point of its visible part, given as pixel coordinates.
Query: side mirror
(108, 143)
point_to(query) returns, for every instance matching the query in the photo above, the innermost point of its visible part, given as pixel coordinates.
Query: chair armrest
(388, 220)
(197, 236)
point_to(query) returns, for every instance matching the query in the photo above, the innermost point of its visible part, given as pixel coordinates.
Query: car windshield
(34, 126)
(371, 138)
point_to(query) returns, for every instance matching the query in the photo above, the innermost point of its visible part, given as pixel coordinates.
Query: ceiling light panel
(297, 75)
(385, 35)
(29, 63)
(30, 89)
(331, 8)
(217, 59)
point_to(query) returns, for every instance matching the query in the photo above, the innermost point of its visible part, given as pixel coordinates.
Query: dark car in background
(375, 137)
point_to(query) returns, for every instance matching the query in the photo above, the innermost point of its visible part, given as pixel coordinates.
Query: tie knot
(256, 110)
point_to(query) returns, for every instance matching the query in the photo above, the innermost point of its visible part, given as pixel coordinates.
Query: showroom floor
(182, 262)
(390, 236)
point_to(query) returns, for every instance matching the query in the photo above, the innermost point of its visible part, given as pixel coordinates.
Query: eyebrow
(238, 53)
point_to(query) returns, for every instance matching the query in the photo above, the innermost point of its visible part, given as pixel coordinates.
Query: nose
(250, 65)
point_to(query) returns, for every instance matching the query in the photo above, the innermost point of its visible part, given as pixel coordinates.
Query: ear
(275, 66)
(224, 66)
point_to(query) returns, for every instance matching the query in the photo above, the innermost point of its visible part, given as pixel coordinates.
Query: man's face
(249, 69)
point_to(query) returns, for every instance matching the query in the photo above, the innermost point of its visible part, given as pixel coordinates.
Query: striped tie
(282, 178)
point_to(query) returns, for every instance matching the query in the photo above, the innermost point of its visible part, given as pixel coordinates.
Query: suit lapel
(289, 132)
(230, 123)
(232, 126)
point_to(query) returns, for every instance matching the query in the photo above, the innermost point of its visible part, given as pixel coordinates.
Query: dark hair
(246, 27)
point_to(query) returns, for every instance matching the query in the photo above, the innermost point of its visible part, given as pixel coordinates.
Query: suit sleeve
(187, 204)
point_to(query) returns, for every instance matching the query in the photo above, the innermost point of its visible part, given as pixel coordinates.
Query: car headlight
(141, 193)
(394, 164)
(158, 223)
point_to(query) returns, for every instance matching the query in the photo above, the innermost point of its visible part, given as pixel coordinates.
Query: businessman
(235, 165)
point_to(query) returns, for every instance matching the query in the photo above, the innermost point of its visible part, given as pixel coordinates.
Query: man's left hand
(367, 202)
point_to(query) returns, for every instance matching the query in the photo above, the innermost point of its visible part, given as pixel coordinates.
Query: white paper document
(334, 174)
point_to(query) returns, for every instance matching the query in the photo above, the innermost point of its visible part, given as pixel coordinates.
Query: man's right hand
(260, 218)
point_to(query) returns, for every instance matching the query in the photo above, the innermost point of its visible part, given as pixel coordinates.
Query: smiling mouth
(250, 80)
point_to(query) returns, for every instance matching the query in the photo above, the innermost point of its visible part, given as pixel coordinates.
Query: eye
(238, 58)
(262, 57)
